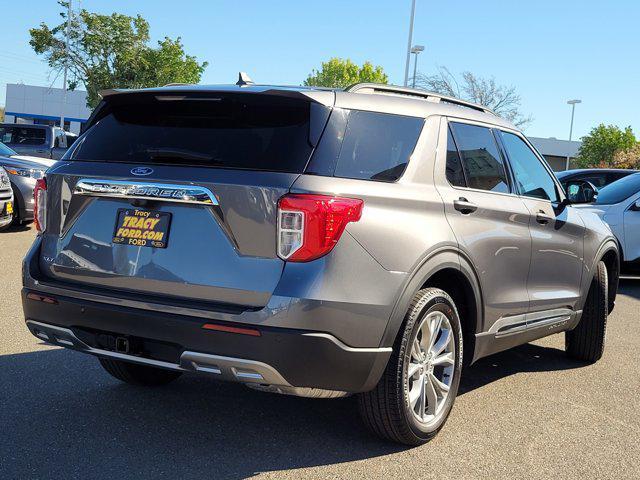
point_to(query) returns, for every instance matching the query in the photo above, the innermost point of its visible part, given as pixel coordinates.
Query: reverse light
(309, 226)
(40, 204)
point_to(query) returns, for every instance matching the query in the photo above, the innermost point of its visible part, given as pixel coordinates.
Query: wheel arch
(449, 270)
(610, 255)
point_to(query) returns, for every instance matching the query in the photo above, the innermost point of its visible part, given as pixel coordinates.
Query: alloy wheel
(431, 367)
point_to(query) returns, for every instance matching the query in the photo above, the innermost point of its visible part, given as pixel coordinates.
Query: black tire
(385, 410)
(586, 341)
(138, 374)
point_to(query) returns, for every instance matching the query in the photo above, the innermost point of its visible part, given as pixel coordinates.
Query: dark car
(599, 177)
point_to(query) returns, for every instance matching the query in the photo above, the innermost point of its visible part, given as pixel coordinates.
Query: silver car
(23, 173)
(6, 200)
(312, 242)
(618, 204)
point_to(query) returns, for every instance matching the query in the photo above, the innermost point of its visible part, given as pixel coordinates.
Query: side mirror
(581, 191)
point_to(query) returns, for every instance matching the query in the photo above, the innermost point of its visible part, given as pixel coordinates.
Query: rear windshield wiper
(179, 154)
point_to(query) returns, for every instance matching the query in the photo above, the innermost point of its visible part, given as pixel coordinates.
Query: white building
(42, 105)
(556, 151)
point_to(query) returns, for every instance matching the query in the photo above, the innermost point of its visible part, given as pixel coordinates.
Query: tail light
(309, 226)
(40, 204)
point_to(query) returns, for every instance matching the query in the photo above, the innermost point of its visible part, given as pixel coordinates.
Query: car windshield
(619, 190)
(6, 151)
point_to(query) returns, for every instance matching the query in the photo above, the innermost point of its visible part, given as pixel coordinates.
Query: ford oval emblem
(142, 171)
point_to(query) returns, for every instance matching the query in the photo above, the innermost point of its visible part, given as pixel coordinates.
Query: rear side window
(483, 166)
(23, 135)
(366, 145)
(255, 132)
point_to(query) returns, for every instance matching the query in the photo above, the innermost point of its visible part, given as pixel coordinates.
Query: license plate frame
(139, 227)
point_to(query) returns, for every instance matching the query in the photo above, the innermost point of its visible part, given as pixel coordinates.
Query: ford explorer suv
(312, 242)
(36, 140)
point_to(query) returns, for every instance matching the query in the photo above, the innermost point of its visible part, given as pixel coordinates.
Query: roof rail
(414, 92)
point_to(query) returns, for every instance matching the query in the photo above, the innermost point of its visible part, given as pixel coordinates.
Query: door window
(481, 161)
(531, 177)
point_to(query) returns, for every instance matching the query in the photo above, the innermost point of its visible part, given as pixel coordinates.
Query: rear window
(257, 132)
(23, 135)
(366, 145)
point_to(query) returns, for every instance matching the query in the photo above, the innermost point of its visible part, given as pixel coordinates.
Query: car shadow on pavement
(630, 288)
(63, 417)
(525, 358)
(17, 228)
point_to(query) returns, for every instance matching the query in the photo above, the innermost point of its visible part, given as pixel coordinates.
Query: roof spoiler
(379, 88)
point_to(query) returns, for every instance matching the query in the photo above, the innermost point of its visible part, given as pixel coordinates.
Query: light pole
(66, 66)
(573, 111)
(416, 50)
(406, 66)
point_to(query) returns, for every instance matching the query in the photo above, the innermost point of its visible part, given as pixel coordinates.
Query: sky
(550, 51)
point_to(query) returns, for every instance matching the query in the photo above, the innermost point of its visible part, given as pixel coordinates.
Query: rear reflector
(309, 226)
(41, 298)
(225, 328)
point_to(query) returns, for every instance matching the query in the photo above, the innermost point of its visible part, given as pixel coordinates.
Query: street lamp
(406, 65)
(573, 111)
(416, 50)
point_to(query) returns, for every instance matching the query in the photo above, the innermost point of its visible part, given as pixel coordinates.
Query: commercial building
(556, 151)
(42, 105)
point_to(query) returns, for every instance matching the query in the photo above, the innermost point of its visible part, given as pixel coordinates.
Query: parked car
(599, 177)
(618, 204)
(36, 140)
(312, 242)
(6, 201)
(23, 173)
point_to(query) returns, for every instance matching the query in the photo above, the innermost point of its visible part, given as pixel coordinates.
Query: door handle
(464, 206)
(543, 218)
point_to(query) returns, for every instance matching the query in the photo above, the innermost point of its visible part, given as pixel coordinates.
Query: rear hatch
(173, 193)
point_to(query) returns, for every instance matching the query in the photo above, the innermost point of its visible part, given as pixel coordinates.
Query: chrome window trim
(163, 192)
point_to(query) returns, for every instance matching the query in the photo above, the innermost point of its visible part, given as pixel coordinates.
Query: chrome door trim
(527, 321)
(163, 192)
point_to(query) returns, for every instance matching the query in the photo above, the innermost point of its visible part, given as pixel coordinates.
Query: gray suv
(312, 242)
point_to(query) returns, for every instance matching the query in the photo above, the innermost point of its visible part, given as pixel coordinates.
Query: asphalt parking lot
(527, 413)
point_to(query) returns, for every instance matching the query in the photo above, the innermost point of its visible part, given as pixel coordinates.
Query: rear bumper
(279, 357)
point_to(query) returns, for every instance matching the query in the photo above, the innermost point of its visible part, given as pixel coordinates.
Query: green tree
(339, 73)
(113, 51)
(1, 114)
(598, 149)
